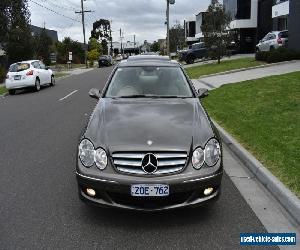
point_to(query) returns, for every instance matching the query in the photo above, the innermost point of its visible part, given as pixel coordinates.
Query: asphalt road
(39, 206)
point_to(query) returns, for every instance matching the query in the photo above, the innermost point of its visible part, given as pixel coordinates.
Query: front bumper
(185, 192)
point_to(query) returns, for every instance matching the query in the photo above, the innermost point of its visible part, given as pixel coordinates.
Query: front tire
(190, 60)
(12, 91)
(37, 85)
(52, 83)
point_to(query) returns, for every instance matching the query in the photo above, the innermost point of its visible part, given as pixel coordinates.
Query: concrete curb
(244, 69)
(284, 196)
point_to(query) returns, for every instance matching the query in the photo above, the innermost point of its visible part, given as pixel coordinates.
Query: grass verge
(3, 90)
(60, 74)
(264, 116)
(226, 65)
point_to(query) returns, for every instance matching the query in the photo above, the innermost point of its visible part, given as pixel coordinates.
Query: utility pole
(121, 38)
(134, 43)
(111, 45)
(83, 29)
(168, 27)
(168, 24)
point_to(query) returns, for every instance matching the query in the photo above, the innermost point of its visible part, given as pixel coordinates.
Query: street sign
(53, 58)
(70, 56)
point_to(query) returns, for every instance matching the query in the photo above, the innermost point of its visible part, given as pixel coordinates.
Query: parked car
(26, 74)
(119, 57)
(195, 51)
(149, 144)
(105, 60)
(273, 40)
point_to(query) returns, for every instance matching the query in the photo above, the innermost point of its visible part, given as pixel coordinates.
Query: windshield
(149, 82)
(17, 67)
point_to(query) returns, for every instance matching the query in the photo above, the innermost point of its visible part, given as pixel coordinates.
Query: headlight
(212, 152)
(86, 153)
(100, 158)
(198, 158)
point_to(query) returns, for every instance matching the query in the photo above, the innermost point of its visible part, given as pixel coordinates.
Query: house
(190, 30)
(200, 20)
(253, 19)
(35, 30)
(286, 16)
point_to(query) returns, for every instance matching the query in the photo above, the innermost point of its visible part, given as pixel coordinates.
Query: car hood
(128, 124)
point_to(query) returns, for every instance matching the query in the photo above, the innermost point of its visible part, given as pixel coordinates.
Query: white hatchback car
(28, 74)
(273, 40)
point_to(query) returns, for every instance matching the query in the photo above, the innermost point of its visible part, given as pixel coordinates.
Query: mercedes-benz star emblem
(149, 163)
(149, 142)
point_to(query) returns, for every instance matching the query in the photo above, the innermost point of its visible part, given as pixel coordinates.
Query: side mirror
(47, 67)
(95, 93)
(202, 93)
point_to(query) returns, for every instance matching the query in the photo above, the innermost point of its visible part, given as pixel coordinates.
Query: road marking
(68, 95)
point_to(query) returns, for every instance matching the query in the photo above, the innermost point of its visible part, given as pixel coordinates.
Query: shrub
(2, 74)
(278, 55)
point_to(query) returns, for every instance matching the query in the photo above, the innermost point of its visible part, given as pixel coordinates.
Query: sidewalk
(198, 63)
(216, 81)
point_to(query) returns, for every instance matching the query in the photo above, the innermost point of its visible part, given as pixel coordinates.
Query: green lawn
(264, 116)
(60, 74)
(212, 68)
(2, 90)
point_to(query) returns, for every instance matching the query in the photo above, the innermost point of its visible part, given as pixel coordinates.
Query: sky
(143, 18)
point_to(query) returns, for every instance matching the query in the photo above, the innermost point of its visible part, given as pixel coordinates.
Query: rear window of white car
(17, 67)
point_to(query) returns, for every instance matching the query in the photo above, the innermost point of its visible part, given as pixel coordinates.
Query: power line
(69, 8)
(57, 13)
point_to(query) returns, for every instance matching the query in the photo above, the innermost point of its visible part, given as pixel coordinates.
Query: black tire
(37, 85)
(12, 91)
(271, 48)
(52, 83)
(190, 60)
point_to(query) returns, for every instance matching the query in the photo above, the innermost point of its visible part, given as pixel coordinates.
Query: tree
(215, 30)
(102, 31)
(177, 38)
(68, 45)
(43, 45)
(19, 44)
(94, 50)
(4, 20)
(155, 47)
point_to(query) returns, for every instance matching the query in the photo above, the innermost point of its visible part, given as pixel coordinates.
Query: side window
(271, 37)
(42, 66)
(36, 65)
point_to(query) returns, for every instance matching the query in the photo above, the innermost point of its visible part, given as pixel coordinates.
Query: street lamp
(168, 24)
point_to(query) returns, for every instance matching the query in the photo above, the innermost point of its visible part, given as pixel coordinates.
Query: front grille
(167, 162)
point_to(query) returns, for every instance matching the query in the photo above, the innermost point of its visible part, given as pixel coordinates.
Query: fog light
(208, 191)
(91, 192)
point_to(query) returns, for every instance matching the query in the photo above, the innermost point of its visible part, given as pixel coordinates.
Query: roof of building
(51, 33)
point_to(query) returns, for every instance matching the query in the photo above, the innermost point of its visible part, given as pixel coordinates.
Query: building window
(238, 9)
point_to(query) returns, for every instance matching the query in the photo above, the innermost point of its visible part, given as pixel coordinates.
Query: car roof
(28, 61)
(148, 57)
(148, 62)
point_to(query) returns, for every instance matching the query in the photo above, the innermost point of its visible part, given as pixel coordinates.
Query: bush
(278, 55)
(2, 74)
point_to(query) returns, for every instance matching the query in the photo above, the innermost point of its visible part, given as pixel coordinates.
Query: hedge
(278, 55)
(2, 74)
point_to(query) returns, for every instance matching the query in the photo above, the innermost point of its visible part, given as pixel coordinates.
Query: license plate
(149, 190)
(17, 77)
